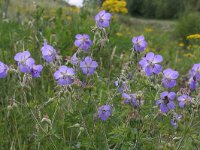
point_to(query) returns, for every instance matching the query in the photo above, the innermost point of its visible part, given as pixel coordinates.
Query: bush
(135, 7)
(162, 9)
(188, 24)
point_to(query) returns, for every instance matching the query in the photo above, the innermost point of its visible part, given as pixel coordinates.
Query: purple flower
(3, 70)
(83, 41)
(130, 99)
(183, 100)
(48, 53)
(169, 78)
(122, 86)
(166, 101)
(35, 71)
(74, 59)
(139, 43)
(104, 112)
(116, 83)
(103, 19)
(88, 66)
(193, 84)
(25, 63)
(195, 71)
(64, 75)
(150, 65)
(175, 119)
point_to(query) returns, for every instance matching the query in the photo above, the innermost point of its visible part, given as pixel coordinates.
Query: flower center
(166, 100)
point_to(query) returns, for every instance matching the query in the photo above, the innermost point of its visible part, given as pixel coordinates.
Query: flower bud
(81, 129)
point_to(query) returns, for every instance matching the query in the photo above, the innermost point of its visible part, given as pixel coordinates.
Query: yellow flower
(147, 49)
(119, 34)
(148, 30)
(193, 36)
(130, 33)
(69, 18)
(181, 44)
(118, 6)
(189, 55)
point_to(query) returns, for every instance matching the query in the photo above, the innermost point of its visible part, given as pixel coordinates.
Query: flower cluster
(82, 61)
(118, 6)
(193, 36)
(130, 99)
(26, 64)
(86, 64)
(183, 100)
(150, 63)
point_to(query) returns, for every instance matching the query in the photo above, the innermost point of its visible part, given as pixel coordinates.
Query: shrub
(164, 9)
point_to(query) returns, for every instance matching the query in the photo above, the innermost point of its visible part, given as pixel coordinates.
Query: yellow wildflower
(193, 36)
(181, 44)
(119, 34)
(189, 55)
(69, 18)
(148, 30)
(118, 6)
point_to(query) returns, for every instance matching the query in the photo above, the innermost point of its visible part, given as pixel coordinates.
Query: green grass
(74, 114)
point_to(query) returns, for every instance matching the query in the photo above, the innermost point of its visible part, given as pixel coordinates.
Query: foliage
(162, 9)
(40, 114)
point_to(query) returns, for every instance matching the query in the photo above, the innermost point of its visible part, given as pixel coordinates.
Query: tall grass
(73, 115)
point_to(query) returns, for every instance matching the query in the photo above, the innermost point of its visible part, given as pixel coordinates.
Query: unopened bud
(9, 107)
(81, 129)
(77, 125)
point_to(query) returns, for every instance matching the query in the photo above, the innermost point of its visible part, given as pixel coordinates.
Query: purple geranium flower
(103, 19)
(130, 99)
(3, 70)
(64, 75)
(150, 65)
(88, 66)
(183, 100)
(166, 101)
(193, 84)
(169, 78)
(83, 41)
(195, 71)
(48, 53)
(122, 86)
(104, 112)
(74, 59)
(25, 63)
(35, 71)
(139, 43)
(175, 119)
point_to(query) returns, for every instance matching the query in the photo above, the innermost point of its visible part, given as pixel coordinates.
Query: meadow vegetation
(39, 113)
